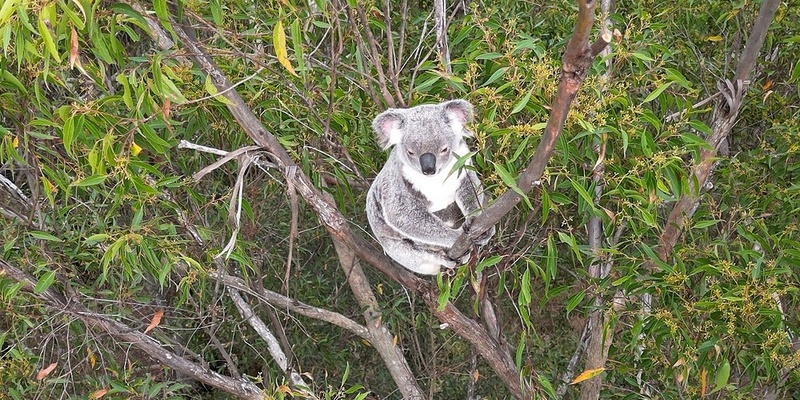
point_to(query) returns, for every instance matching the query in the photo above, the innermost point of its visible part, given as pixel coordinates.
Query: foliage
(93, 148)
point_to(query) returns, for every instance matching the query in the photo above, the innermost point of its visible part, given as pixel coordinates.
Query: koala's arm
(406, 214)
(470, 198)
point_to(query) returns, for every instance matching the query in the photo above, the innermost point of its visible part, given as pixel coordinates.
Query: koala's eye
(444, 150)
(410, 152)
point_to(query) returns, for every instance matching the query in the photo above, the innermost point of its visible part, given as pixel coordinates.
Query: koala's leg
(422, 260)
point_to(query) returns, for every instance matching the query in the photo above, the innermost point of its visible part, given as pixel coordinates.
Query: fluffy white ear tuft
(459, 113)
(388, 127)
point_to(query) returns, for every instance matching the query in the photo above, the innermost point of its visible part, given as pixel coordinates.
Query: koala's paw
(484, 237)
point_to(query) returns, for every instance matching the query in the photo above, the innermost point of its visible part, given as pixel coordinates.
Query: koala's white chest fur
(439, 189)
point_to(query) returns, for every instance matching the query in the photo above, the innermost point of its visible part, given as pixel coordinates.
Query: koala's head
(426, 136)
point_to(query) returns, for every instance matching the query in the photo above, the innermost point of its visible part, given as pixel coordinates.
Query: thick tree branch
(577, 60)
(240, 388)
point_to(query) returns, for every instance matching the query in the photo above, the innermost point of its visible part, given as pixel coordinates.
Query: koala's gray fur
(418, 206)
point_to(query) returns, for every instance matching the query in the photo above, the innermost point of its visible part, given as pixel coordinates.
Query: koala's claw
(483, 238)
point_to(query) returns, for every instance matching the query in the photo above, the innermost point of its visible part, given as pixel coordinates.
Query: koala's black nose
(427, 162)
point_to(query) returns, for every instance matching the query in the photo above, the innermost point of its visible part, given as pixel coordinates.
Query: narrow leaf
(155, 321)
(44, 26)
(44, 236)
(44, 282)
(46, 371)
(588, 374)
(723, 374)
(703, 382)
(582, 192)
(575, 300)
(657, 92)
(495, 76)
(522, 103)
(212, 90)
(8, 8)
(279, 41)
(89, 181)
(73, 48)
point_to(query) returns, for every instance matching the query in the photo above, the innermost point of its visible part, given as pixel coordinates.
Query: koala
(418, 205)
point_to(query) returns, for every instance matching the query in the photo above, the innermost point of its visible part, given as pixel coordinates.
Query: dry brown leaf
(73, 48)
(165, 108)
(98, 394)
(90, 355)
(43, 373)
(155, 321)
(703, 382)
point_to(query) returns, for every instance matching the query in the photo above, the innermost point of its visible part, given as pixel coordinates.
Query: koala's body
(418, 205)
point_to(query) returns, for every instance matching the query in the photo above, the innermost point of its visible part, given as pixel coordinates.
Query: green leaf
(525, 289)
(44, 30)
(546, 385)
(96, 238)
(657, 92)
(68, 134)
(522, 103)
(550, 259)
(6, 76)
(520, 349)
(546, 204)
(723, 374)
(158, 144)
(444, 292)
(171, 92)
(134, 16)
(642, 55)
(216, 12)
(212, 90)
(509, 181)
(89, 181)
(136, 222)
(9, 6)
(575, 300)
(44, 236)
(582, 192)
(706, 224)
(676, 76)
(10, 292)
(488, 262)
(44, 282)
(495, 76)
(488, 56)
(346, 373)
(297, 45)
(163, 14)
(701, 127)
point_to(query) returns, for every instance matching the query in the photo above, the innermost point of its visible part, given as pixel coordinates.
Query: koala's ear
(459, 113)
(388, 127)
